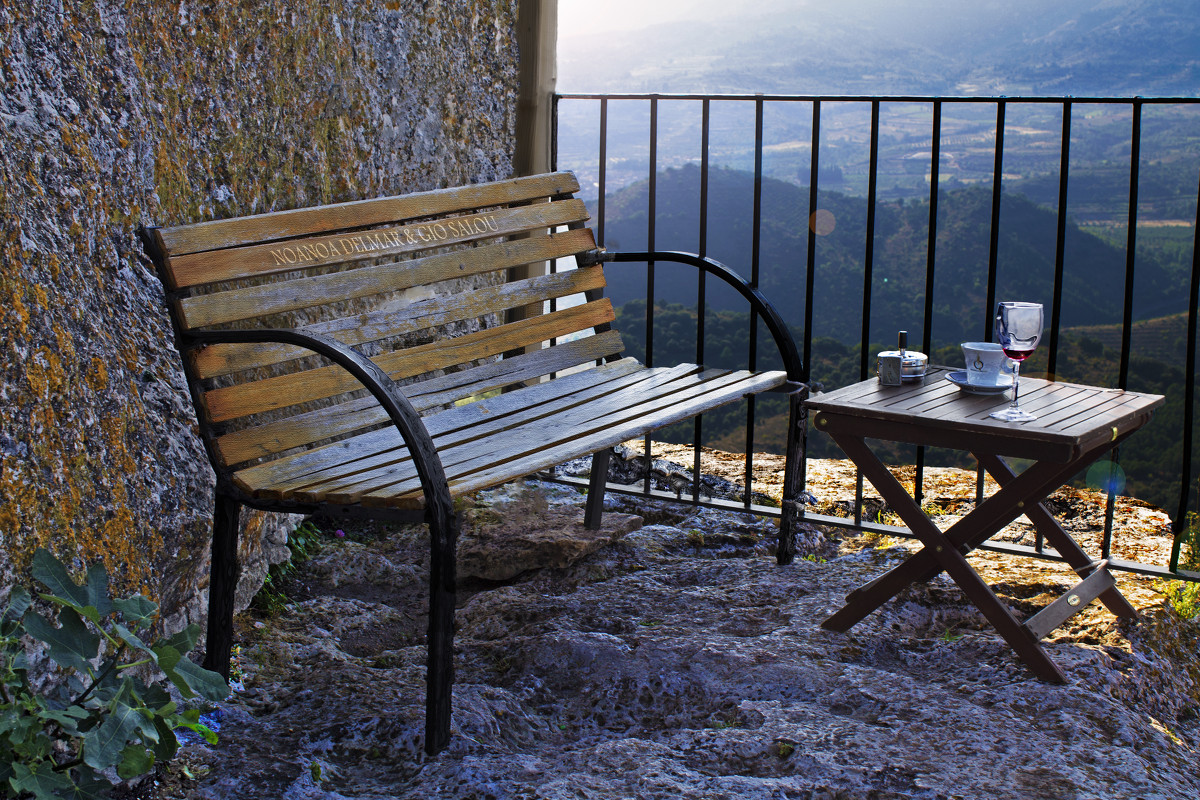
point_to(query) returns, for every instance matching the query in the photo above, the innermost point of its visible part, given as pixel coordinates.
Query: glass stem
(1016, 375)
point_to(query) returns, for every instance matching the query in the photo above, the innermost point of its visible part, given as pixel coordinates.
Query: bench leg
(440, 664)
(222, 584)
(792, 510)
(593, 510)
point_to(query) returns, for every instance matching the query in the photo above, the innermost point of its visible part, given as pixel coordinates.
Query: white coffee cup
(986, 364)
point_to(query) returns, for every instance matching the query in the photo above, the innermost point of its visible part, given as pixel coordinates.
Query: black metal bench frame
(437, 508)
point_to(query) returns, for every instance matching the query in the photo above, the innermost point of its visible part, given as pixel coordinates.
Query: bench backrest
(385, 276)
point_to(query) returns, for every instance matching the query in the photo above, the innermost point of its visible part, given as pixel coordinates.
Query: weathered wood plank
(472, 423)
(604, 433)
(1071, 603)
(551, 441)
(277, 474)
(553, 418)
(271, 438)
(255, 301)
(224, 359)
(271, 394)
(278, 225)
(215, 266)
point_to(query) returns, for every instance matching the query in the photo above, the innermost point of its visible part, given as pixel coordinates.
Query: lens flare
(822, 222)
(1105, 476)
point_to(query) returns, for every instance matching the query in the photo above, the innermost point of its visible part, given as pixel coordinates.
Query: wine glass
(1018, 329)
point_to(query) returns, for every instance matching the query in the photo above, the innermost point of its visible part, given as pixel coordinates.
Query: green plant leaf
(17, 726)
(168, 657)
(40, 780)
(208, 733)
(183, 641)
(50, 571)
(135, 760)
(167, 744)
(138, 611)
(72, 645)
(103, 745)
(198, 680)
(87, 787)
(67, 719)
(97, 589)
(18, 603)
(130, 638)
(158, 699)
(190, 679)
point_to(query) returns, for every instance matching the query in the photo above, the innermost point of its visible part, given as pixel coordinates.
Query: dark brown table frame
(1076, 424)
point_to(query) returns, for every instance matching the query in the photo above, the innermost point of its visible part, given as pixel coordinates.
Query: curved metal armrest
(758, 301)
(409, 424)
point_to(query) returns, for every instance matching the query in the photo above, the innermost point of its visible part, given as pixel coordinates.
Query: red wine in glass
(1018, 329)
(1018, 354)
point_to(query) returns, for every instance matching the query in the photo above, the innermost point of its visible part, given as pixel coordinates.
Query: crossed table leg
(1019, 494)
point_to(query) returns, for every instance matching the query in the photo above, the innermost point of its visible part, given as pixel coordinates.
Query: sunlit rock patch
(678, 660)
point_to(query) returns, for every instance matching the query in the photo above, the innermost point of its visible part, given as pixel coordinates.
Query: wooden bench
(341, 363)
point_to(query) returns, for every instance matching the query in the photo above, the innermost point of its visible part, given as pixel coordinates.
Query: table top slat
(1068, 414)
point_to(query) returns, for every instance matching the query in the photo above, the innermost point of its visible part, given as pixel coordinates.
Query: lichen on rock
(155, 112)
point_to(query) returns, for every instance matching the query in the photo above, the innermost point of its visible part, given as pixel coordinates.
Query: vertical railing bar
(1060, 255)
(1179, 525)
(993, 255)
(869, 254)
(755, 251)
(935, 155)
(994, 233)
(1060, 247)
(1135, 157)
(554, 101)
(602, 178)
(811, 256)
(868, 276)
(651, 213)
(601, 172)
(697, 436)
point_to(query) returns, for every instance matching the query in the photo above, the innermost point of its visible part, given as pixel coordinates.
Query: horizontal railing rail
(1056, 163)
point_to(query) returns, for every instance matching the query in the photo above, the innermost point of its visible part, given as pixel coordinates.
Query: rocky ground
(669, 656)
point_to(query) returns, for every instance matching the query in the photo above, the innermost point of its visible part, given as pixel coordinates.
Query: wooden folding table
(1074, 426)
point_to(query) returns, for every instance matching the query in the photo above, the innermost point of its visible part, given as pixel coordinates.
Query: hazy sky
(578, 17)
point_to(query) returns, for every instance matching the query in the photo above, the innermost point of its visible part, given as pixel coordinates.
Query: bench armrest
(438, 503)
(759, 303)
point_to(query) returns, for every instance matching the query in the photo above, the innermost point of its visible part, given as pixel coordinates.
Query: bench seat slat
(280, 472)
(278, 436)
(215, 266)
(520, 438)
(278, 225)
(280, 391)
(599, 434)
(541, 417)
(235, 305)
(224, 359)
(374, 454)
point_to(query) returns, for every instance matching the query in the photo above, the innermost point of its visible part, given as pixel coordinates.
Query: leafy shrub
(59, 744)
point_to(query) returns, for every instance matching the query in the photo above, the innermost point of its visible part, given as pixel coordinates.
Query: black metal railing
(596, 113)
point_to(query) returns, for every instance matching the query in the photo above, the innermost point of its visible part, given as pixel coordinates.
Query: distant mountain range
(934, 47)
(1094, 272)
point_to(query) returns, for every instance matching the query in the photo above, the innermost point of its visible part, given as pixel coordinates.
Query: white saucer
(959, 379)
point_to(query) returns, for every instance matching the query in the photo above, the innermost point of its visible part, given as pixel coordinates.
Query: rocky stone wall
(116, 115)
